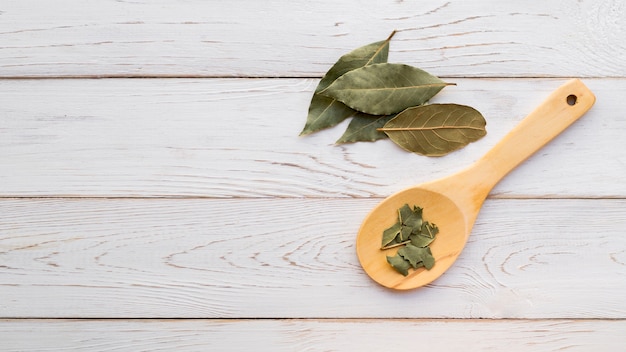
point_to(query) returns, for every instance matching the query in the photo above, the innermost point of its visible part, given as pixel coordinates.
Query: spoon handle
(562, 108)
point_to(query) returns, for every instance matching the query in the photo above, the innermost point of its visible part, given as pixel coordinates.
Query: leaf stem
(430, 233)
(391, 35)
(383, 129)
(395, 245)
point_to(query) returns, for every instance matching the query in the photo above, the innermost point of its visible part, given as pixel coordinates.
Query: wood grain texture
(295, 258)
(456, 200)
(312, 335)
(222, 138)
(195, 198)
(485, 38)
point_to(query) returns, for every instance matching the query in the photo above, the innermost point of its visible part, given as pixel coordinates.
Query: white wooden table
(155, 194)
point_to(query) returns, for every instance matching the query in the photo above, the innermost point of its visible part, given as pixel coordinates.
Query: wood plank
(312, 335)
(239, 138)
(295, 258)
(483, 38)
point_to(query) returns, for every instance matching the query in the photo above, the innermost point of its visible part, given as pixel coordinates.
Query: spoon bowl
(438, 209)
(453, 202)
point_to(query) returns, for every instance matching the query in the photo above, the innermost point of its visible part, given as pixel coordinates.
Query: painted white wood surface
(239, 138)
(483, 38)
(193, 197)
(313, 335)
(295, 258)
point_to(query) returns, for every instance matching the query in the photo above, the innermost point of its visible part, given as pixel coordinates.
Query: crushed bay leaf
(414, 235)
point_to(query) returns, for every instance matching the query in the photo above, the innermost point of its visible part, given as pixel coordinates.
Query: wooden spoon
(453, 202)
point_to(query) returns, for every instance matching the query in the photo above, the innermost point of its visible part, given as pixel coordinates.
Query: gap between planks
(181, 197)
(166, 76)
(339, 320)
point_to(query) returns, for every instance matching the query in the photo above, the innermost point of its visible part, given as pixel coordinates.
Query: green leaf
(400, 264)
(436, 129)
(428, 260)
(383, 89)
(414, 235)
(326, 112)
(429, 230)
(404, 213)
(390, 234)
(416, 255)
(369, 54)
(420, 241)
(414, 220)
(364, 128)
(405, 232)
(411, 220)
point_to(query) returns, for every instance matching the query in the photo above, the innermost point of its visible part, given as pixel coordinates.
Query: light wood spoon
(453, 202)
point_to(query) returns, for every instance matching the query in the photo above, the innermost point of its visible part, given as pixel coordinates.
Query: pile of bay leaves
(389, 100)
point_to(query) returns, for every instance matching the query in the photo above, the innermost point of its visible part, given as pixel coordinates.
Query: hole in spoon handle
(562, 108)
(571, 99)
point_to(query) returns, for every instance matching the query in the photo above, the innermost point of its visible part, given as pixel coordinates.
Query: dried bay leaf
(411, 217)
(404, 213)
(362, 85)
(326, 112)
(409, 224)
(390, 234)
(365, 128)
(384, 88)
(414, 235)
(429, 230)
(417, 255)
(369, 54)
(421, 241)
(428, 260)
(400, 264)
(405, 233)
(436, 129)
